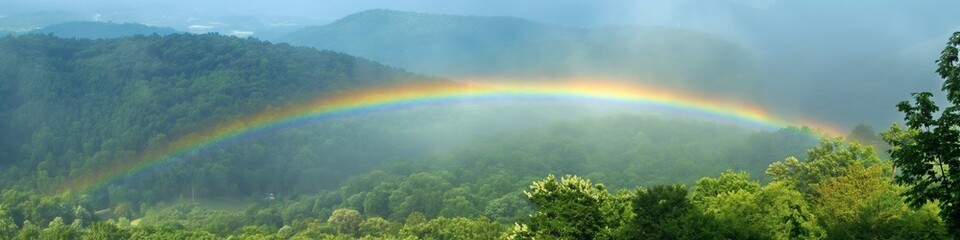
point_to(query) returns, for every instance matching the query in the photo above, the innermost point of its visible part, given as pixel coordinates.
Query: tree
(728, 181)
(568, 208)
(421, 192)
(454, 228)
(659, 212)
(8, 229)
(747, 210)
(346, 221)
(58, 230)
(787, 215)
(29, 231)
(376, 227)
(858, 205)
(864, 134)
(830, 159)
(105, 231)
(927, 152)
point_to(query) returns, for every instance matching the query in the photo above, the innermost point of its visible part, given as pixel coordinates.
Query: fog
(230, 117)
(845, 62)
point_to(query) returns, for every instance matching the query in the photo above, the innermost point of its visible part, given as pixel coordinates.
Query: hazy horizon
(819, 50)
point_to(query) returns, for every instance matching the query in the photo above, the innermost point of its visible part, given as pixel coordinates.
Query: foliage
(72, 107)
(345, 221)
(865, 204)
(97, 30)
(454, 228)
(927, 152)
(105, 231)
(568, 208)
(662, 212)
(831, 159)
(773, 211)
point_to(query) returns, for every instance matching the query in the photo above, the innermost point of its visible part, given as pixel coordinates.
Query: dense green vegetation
(71, 106)
(97, 30)
(927, 150)
(840, 191)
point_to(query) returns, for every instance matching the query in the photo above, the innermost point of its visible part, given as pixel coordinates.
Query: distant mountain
(794, 70)
(73, 105)
(473, 46)
(28, 21)
(460, 44)
(98, 30)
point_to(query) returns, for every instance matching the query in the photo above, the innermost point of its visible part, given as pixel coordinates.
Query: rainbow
(407, 95)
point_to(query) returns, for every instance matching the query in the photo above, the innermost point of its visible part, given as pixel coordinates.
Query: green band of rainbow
(379, 98)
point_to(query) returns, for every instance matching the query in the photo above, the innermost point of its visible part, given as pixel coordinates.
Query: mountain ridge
(507, 47)
(99, 30)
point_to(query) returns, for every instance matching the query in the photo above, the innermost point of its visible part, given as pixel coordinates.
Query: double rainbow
(400, 96)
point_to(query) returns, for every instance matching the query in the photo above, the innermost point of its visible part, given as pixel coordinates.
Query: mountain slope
(72, 106)
(472, 46)
(97, 30)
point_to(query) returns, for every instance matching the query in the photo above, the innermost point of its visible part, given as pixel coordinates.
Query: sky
(566, 12)
(732, 18)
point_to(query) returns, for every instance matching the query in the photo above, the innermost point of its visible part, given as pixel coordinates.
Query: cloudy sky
(737, 19)
(567, 12)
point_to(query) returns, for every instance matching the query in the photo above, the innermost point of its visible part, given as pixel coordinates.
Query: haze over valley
(293, 119)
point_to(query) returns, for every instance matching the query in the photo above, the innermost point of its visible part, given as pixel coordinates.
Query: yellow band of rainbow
(398, 96)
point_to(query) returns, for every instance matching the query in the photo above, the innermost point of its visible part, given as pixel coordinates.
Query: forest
(71, 107)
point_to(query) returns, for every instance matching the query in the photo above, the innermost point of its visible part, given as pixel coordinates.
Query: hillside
(98, 30)
(28, 21)
(795, 71)
(475, 46)
(73, 106)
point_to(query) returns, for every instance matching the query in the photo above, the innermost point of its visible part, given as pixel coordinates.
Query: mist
(426, 119)
(843, 63)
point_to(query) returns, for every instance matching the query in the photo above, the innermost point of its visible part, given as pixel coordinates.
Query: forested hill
(97, 30)
(69, 106)
(477, 46)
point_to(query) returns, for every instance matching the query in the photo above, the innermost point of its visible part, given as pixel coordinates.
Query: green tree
(105, 231)
(442, 228)
(346, 221)
(122, 210)
(786, 214)
(660, 212)
(29, 231)
(737, 208)
(570, 208)
(728, 181)
(747, 210)
(864, 134)
(58, 230)
(865, 204)
(927, 153)
(421, 192)
(8, 228)
(830, 159)
(376, 227)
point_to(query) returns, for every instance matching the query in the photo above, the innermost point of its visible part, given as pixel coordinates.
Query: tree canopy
(927, 151)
